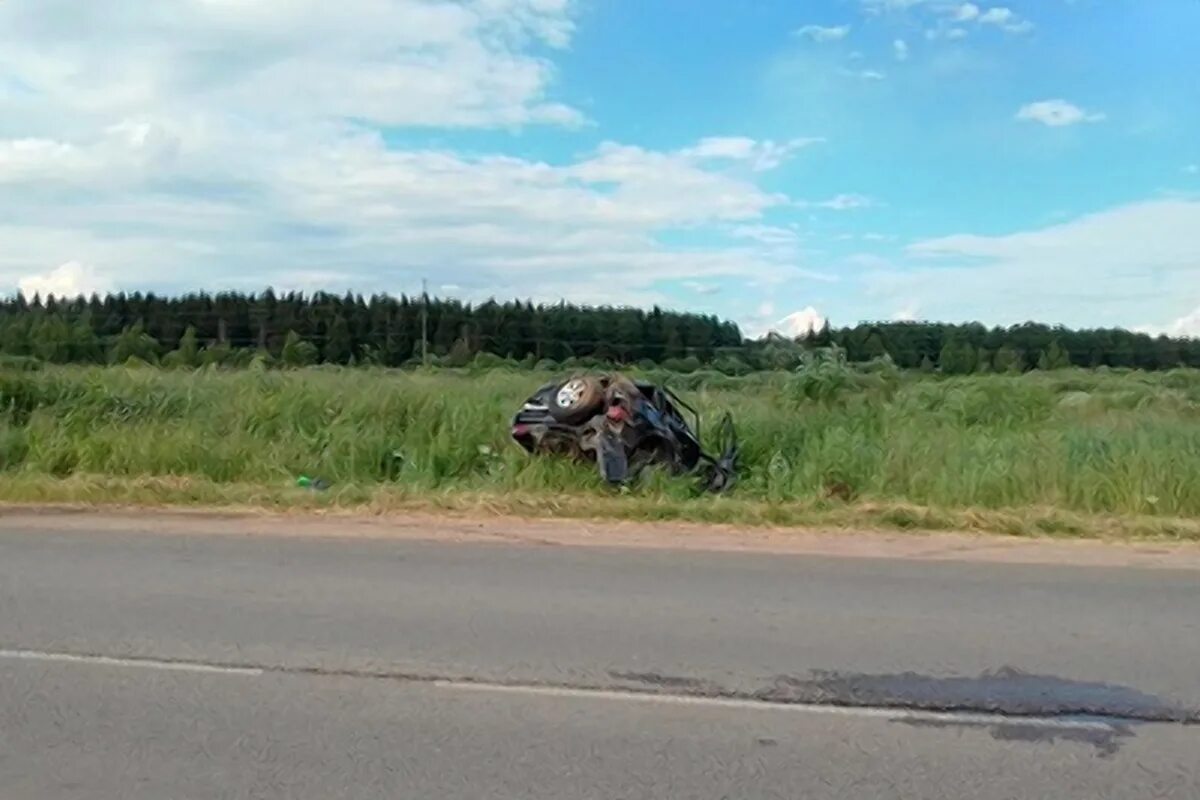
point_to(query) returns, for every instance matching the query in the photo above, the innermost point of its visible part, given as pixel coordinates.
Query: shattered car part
(623, 426)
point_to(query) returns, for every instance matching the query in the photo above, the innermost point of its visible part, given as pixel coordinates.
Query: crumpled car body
(623, 426)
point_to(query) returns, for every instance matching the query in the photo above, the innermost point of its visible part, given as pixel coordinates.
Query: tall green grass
(1087, 442)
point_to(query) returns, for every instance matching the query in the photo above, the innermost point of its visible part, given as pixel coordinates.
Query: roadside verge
(114, 492)
(495, 529)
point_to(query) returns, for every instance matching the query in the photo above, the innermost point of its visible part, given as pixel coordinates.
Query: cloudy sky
(765, 160)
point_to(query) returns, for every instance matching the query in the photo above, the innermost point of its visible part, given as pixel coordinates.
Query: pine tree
(1054, 357)
(134, 343)
(85, 344)
(1008, 360)
(188, 352)
(628, 337)
(674, 340)
(957, 358)
(460, 354)
(50, 339)
(873, 347)
(14, 337)
(297, 352)
(983, 361)
(824, 336)
(338, 345)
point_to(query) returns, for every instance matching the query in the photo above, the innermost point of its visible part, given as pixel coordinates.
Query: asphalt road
(216, 666)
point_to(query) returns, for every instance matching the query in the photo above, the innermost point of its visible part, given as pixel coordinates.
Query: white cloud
(767, 234)
(765, 320)
(1000, 17)
(804, 322)
(1057, 113)
(393, 62)
(1016, 26)
(350, 210)
(848, 202)
(67, 281)
(951, 13)
(762, 155)
(219, 144)
(124, 152)
(1188, 325)
(33, 159)
(965, 12)
(950, 20)
(864, 74)
(841, 202)
(1121, 266)
(865, 263)
(702, 288)
(907, 313)
(900, 49)
(821, 33)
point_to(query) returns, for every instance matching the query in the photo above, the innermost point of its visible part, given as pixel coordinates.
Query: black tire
(576, 399)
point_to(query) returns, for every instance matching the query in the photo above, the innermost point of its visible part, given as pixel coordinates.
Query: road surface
(198, 665)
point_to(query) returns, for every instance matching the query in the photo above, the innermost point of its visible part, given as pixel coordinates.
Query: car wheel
(576, 400)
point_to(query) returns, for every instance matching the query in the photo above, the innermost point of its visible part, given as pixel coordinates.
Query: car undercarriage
(623, 426)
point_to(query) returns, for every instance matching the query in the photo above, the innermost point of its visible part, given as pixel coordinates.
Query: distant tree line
(963, 349)
(348, 329)
(295, 330)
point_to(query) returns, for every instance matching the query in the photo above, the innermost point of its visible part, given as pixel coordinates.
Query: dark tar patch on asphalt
(1025, 705)
(1105, 737)
(1005, 691)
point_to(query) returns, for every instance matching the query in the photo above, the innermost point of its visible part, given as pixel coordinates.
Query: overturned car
(623, 426)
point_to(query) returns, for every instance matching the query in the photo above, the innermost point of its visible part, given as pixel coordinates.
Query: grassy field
(1069, 453)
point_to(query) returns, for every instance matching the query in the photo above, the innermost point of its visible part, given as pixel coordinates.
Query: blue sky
(768, 161)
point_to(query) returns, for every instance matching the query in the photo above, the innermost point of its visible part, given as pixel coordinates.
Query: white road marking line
(620, 695)
(869, 712)
(141, 663)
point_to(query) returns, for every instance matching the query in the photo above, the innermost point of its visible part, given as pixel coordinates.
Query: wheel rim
(570, 393)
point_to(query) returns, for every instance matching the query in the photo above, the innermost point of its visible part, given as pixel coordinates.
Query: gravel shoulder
(940, 546)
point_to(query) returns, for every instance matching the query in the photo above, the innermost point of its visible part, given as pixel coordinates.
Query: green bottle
(319, 484)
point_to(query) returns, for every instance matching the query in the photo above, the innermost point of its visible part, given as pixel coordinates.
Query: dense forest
(296, 329)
